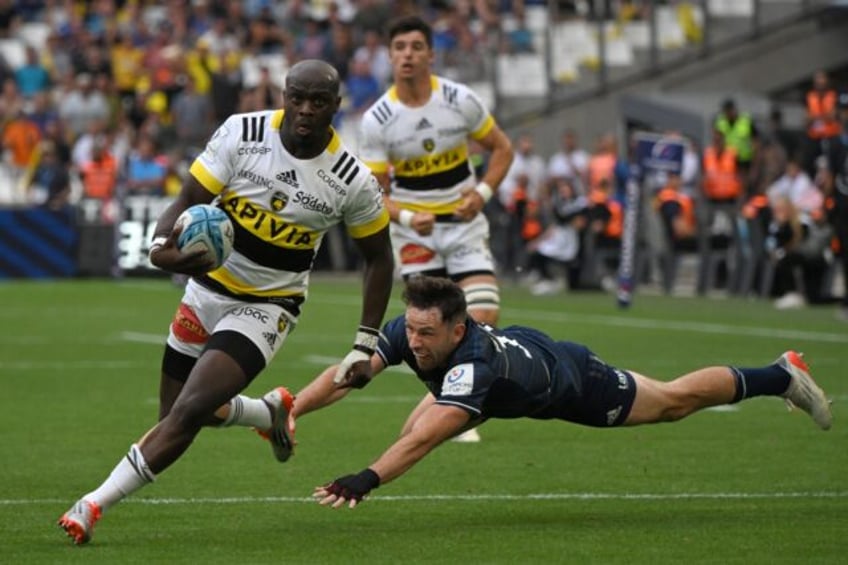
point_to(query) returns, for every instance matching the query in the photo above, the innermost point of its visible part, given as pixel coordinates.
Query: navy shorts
(605, 394)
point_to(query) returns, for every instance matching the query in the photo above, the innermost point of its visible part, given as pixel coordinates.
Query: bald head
(310, 101)
(314, 75)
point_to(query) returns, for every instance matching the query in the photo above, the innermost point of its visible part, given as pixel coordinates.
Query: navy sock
(772, 380)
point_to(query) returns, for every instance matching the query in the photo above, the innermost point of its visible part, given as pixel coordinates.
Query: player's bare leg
(215, 379)
(788, 376)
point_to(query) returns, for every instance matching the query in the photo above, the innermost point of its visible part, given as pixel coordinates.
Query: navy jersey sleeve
(392, 343)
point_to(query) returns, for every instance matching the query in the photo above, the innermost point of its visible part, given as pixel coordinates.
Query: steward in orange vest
(677, 210)
(606, 216)
(722, 182)
(822, 121)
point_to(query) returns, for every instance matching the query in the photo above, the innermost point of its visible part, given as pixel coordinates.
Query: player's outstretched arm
(435, 425)
(355, 368)
(323, 390)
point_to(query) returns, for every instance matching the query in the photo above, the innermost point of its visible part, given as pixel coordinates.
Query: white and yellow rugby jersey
(281, 206)
(425, 148)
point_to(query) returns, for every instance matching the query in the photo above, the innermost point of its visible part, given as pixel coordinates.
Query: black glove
(354, 487)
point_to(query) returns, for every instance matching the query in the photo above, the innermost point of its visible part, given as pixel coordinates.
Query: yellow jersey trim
(205, 178)
(484, 130)
(372, 227)
(238, 286)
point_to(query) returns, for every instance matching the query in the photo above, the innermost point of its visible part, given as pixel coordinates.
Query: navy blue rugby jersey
(512, 372)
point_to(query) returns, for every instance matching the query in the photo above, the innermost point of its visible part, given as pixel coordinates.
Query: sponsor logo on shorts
(413, 254)
(186, 327)
(250, 312)
(612, 415)
(459, 381)
(271, 338)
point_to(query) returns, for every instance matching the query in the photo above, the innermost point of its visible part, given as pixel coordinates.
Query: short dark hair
(411, 23)
(425, 292)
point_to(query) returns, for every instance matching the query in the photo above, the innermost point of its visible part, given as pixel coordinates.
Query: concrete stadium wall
(760, 66)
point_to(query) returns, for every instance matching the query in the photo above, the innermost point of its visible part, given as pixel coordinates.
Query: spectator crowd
(108, 98)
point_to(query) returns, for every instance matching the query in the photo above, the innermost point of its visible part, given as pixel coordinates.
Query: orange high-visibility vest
(820, 109)
(721, 179)
(687, 207)
(99, 178)
(752, 208)
(615, 225)
(601, 167)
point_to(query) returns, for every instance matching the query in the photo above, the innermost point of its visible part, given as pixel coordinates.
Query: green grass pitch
(79, 364)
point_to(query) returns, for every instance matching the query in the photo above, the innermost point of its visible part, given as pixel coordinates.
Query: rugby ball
(206, 228)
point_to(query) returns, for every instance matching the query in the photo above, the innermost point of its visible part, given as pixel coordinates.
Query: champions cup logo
(279, 201)
(665, 155)
(428, 144)
(455, 374)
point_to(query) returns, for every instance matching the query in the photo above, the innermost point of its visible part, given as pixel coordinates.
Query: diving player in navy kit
(475, 372)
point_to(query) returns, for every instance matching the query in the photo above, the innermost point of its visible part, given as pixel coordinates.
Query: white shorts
(457, 247)
(203, 312)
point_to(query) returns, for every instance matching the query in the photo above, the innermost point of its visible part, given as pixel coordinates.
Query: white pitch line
(466, 497)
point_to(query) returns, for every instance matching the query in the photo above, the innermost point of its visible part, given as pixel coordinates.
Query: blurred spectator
(226, 86)
(796, 185)
(601, 167)
(361, 88)
(722, 182)
(559, 244)
(770, 158)
(41, 111)
(340, 49)
(127, 65)
(99, 174)
(834, 184)
(605, 215)
(21, 139)
(517, 38)
(266, 94)
(32, 77)
(739, 133)
(523, 183)
(51, 184)
(570, 162)
(146, 170)
(315, 41)
(777, 132)
(372, 15)
(193, 115)
(377, 55)
(676, 210)
(11, 101)
(82, 150)
(798, 250)
(822, 122)
(83, 105)
(218, 38)
(56, 58)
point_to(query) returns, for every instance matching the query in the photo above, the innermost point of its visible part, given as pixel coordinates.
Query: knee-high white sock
(246, 411)
(129, 475)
